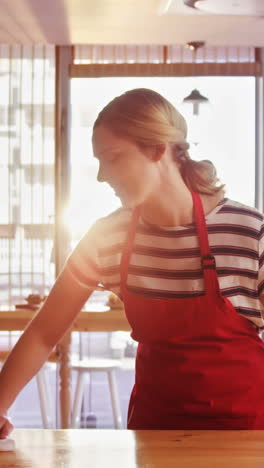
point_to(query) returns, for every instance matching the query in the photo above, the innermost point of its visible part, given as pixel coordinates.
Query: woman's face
(128, 169)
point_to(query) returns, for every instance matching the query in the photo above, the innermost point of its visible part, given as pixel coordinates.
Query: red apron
(199, 365)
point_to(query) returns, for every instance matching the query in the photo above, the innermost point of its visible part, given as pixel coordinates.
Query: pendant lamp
(195, 97)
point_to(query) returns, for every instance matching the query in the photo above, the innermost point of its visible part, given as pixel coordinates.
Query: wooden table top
(93, 318)
(81, 448)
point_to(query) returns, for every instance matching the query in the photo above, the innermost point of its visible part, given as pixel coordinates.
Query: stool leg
(115, 400)
(44, 400)
(9, 411)
(77, 401)
(50, 410)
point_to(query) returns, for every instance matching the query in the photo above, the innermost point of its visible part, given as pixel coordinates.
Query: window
(27, 91)
(223, 131)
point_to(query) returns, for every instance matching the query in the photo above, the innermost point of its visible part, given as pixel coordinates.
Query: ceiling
(122, 22)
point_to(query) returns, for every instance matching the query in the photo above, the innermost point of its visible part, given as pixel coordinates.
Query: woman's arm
(39, 338)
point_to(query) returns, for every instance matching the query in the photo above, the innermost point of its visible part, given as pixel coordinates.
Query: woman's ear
(157, 151)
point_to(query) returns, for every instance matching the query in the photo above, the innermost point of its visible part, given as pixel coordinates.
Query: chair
(83, 367)
(48, 420)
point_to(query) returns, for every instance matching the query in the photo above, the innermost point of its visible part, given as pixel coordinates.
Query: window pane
(223, 132)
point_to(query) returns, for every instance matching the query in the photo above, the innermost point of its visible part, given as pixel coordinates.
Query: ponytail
(199, 176)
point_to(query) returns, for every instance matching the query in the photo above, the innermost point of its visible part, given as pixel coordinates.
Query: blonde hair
(146, 117)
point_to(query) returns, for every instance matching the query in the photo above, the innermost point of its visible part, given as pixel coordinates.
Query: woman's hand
(6, 427)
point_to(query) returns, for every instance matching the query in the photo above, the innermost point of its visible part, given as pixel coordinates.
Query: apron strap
(207, 259)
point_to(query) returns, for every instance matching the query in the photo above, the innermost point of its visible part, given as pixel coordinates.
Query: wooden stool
(96, 365)
(47, 415)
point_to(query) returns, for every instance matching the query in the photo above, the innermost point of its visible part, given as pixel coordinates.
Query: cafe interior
(60, 63)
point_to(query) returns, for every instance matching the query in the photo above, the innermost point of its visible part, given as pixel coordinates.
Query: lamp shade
(195, 98)
(228, 7)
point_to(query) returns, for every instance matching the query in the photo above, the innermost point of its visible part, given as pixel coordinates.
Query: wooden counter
(36, 448)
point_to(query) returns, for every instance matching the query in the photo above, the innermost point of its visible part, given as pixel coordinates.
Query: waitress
(188, 265)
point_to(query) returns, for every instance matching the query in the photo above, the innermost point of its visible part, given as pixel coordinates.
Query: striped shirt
(165, 261)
